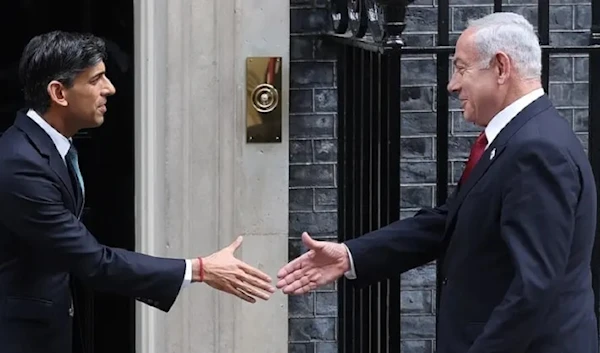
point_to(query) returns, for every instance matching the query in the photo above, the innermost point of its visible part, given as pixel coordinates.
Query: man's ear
(503, 67)
(56, 91)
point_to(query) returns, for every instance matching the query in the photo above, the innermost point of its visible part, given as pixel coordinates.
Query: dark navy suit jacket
(516, 242)
(42, 244)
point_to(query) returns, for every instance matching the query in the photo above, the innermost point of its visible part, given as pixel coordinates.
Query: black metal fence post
(342, 185)
(442, 118)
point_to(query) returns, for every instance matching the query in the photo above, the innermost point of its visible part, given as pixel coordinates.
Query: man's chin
(468, 116)
(98, 121)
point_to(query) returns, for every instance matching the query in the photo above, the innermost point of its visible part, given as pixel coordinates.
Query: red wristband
(201, 269)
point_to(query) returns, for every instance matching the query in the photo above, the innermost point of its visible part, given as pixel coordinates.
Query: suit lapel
(493, 153)
(478, 171)
(46, 147)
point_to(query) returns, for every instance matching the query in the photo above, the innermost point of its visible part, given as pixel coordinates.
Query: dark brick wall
(313, 145)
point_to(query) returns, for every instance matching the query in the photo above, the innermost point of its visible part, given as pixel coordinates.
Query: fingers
(303, 260)
(229, 288)
(258, 282)
(236, 244)
(240, 290)
(251, 282)
(250, 290)
(298, 275)
(299, 287)
(240, 294)
(247, 287)
(294, 276)
(296, 264)
(255, 272)
(302, 284)
(250, 287)
(304, 289)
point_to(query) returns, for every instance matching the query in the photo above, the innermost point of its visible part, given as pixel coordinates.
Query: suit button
(445, 281)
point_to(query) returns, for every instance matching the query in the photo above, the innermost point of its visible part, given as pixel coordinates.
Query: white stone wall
(199, 184)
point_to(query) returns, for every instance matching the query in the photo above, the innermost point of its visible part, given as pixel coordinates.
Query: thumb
(236, 244)
(310, 243)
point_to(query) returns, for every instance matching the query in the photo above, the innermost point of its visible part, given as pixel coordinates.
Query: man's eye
(95, 79)
(460, 70)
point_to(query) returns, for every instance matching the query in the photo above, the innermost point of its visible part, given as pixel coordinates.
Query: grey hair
(512, 34)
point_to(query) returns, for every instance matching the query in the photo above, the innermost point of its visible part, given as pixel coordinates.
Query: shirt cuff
(187, 277)
(350, 274)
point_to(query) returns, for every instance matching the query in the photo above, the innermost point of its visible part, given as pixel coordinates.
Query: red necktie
(476, 151)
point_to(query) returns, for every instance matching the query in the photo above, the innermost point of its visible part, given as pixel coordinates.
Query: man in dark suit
(516, 236)
(42, 193)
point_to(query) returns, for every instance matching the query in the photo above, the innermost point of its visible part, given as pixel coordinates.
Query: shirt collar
(501, 119)
(62, 143)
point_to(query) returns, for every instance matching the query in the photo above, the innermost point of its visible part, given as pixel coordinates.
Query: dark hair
(57, 56)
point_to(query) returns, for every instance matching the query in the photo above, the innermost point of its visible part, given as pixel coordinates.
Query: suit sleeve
(31, 207)
(398, 247)
(537, 225)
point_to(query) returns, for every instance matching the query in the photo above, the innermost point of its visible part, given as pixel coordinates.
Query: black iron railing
(368, 79)
(369, 189)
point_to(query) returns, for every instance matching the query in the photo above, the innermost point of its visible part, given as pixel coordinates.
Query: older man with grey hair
(516, 236)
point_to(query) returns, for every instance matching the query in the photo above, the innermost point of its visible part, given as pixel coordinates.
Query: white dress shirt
(498, 122)
(63, 144)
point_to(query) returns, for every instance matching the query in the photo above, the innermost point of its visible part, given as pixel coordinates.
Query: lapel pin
(492, 154)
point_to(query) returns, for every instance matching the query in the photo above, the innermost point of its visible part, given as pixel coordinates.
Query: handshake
(323, 263)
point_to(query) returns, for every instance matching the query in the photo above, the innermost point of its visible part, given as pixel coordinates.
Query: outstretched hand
(324, 263)
(223, 271)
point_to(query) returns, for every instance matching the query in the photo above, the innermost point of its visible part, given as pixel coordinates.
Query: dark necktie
(476, 152)
(73, 165)
(72, 161)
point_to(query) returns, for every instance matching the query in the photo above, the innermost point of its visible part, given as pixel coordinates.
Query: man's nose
(110, 88)
(452, 85)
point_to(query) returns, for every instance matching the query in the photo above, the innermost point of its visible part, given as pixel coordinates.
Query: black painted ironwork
(357, 18)
(369, 86)
(339, 15)
(442, 116)
(368, 74)
(386, 20)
